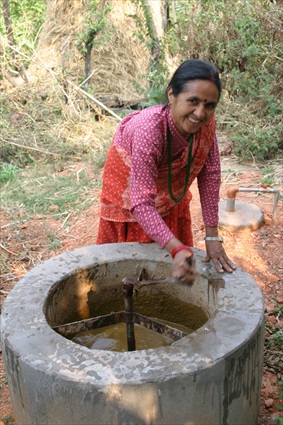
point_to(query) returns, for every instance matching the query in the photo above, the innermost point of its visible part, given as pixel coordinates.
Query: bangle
(180, 248)
(214, 238)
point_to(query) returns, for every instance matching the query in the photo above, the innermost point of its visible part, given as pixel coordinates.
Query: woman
(154, 158)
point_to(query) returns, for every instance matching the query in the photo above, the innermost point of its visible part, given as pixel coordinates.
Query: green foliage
(154, 96)
(243, 40)
(171, 40)
(223, 31)
(274, 339)
(27, 17)
(4, 379)
(268, 176)
(155, 93)
(7, 172)
(7, 419)
(256, 142)
(54, 242)
(273, 348)
(280, 405)
(95, 30)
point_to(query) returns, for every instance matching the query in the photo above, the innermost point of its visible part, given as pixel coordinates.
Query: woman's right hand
(183, 267)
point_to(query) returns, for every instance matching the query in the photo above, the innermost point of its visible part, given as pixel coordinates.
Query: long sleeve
(209, 180)
(146, 154)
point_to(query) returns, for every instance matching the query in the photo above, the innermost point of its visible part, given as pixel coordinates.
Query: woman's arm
(147, 148)
(209, 181)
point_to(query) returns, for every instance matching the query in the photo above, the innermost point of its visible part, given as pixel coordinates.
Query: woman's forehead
(201, 88)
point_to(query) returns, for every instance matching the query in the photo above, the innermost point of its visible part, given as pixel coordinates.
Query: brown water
(165, 308)
(114, 338)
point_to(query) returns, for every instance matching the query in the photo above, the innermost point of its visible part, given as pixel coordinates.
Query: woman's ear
(170, 95)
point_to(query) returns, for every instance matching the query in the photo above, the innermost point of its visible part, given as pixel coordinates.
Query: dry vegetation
(120, 56)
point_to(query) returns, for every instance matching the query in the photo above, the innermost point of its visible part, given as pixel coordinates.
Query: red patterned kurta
(135, 201)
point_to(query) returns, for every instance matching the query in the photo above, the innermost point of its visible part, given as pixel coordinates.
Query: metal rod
(69, 330)
(154, 325)
(231, 196)
(128, 292)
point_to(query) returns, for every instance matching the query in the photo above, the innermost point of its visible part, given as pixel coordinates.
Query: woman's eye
(193, 101)
(210, 106)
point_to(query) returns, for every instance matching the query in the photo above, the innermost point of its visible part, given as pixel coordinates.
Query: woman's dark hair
(193, 69)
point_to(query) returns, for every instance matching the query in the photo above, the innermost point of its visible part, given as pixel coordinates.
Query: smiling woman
(193, 107)
(154, 158)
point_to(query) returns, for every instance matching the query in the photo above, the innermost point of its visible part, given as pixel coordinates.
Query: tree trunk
(8, 22)
(155, 23)
(14, 60)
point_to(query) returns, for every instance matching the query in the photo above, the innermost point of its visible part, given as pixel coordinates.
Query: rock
(53, 208)
(272, 320)
(268, 307)
(269, 402)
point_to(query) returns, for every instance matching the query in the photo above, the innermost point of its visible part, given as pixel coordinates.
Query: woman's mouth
(194, 121)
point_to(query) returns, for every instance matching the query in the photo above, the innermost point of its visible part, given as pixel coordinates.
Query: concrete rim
(25, 329)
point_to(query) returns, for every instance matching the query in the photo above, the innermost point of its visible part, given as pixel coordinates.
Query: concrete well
(212, 376)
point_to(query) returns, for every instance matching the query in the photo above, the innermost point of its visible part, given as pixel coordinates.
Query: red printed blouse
(136, 171)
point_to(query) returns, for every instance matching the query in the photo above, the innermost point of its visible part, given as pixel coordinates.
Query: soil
(26, 243)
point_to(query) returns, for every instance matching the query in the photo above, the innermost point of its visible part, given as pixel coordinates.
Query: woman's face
(195, 106)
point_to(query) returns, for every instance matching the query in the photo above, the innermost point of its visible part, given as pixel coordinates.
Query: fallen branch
(94, 100)
(5, 249)
(30, 148)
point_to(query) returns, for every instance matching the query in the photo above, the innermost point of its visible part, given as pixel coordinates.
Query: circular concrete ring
(245, 216)
(212, 376)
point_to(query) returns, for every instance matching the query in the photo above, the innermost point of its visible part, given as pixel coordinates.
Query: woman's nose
(199, 111)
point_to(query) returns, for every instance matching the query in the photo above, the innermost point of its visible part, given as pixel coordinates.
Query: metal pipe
(232, 190)
(128, 292)
(231, 198)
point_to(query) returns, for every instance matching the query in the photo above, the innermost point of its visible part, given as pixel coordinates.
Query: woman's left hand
(216, 253)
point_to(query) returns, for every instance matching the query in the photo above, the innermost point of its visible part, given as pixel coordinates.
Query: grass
(273, 357)
(7, 420)
(43, 191)
(3, 381)
(49, 161)
(7, 172)
(54, 241)
(268, 177)
(280, 405)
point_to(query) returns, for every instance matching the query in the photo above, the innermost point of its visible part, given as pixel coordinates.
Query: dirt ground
(25, 243)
